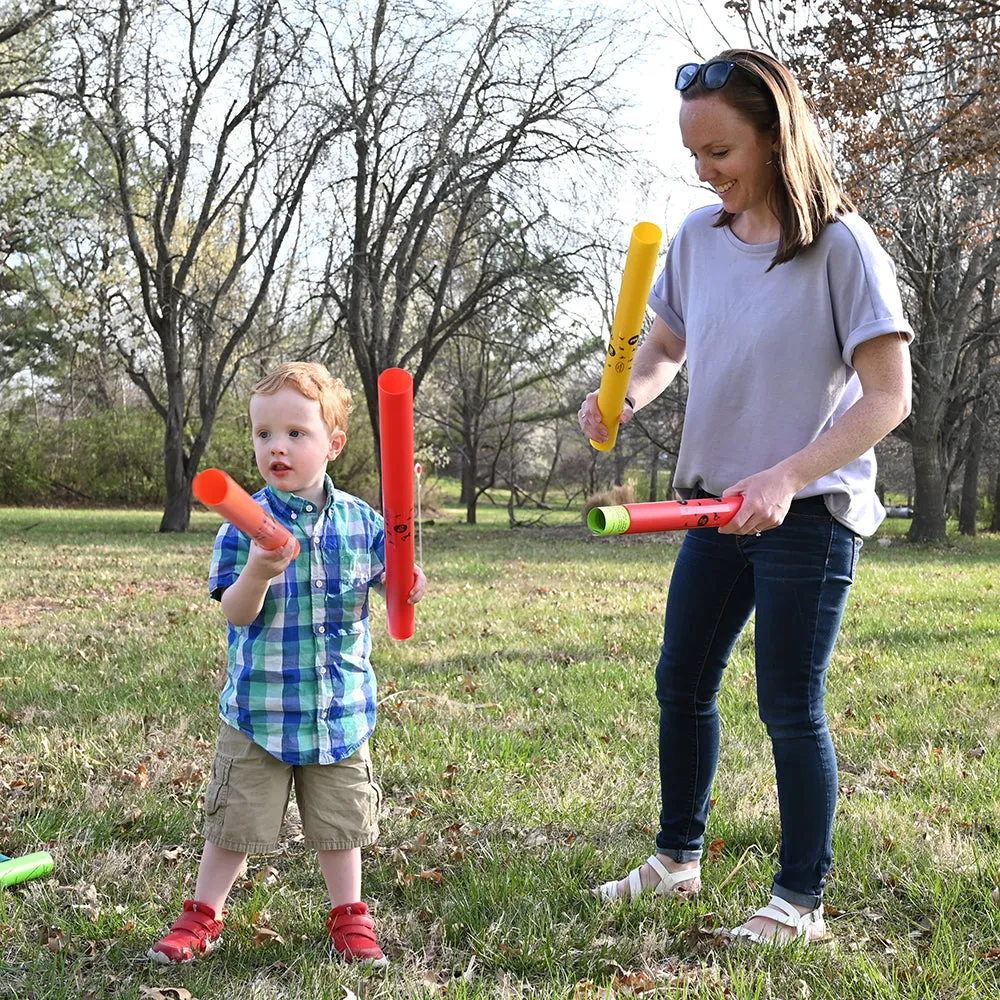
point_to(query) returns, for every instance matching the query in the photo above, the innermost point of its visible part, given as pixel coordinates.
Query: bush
(610, 498)
(115, 458)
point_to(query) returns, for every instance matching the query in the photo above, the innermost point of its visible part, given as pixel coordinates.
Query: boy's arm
(242, 601)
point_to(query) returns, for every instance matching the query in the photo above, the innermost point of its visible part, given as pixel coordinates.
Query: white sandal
(784, 914)
(667, 885)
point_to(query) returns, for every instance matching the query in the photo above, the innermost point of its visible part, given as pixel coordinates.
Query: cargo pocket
(217, 793)
(375, 796)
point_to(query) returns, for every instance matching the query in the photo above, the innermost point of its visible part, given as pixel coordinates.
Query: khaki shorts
(248, 794)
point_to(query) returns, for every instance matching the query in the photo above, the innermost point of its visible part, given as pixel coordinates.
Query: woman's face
(729, 153)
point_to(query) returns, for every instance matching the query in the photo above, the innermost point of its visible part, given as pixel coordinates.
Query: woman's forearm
(865, 424)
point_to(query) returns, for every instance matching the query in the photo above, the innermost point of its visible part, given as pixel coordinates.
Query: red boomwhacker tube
(395, 410)
(665, 515)
(219, 491)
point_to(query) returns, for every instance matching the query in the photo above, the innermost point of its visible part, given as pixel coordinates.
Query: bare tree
(24, 50)
(911, 92)
(475, 126)
(209, 118)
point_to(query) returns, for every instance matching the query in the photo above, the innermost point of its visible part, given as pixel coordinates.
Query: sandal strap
(634, 883)
(670, 880)
(782, 912)
(666, 886)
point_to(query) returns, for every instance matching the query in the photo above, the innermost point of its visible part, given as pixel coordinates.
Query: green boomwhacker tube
(15, 870)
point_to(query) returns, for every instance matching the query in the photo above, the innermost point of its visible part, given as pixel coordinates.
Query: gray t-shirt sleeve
(665, 296)
(863, 288)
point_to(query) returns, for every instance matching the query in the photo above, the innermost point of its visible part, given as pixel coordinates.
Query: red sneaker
(352, 935)
(194, 933)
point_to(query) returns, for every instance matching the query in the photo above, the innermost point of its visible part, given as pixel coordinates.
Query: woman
(787, 312)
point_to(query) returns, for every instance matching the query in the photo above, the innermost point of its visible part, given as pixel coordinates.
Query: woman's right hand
(591, 422)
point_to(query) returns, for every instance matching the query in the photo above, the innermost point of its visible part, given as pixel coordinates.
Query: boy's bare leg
(342, 874)
(216, 875)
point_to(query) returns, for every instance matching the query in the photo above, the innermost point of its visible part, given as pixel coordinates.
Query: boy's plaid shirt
(300, 683)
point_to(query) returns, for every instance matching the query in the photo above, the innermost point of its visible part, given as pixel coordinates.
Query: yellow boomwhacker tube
(629, 313)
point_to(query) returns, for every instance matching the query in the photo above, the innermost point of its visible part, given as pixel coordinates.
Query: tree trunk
(654, 472)
(980, 415)
(929, 521)
(469, 476)
(552, 469)
(970, 481)
(995, 520)
(619, 458)
(177, 511)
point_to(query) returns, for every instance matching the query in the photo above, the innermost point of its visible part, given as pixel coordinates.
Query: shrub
(115, 458)
(610, 498)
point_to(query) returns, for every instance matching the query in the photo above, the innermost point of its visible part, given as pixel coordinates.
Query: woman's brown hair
(806, 194)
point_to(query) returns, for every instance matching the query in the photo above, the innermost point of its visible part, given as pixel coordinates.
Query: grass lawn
(517, 749)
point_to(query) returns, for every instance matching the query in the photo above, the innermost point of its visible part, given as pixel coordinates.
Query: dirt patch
(33, 610)
(14, 614)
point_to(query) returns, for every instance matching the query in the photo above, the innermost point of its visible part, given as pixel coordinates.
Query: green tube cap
(609, 520)
(23, 869)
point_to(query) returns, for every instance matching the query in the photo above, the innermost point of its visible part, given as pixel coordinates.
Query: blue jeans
(797, 576)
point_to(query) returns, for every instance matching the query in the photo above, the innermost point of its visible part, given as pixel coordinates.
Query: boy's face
(291, 443)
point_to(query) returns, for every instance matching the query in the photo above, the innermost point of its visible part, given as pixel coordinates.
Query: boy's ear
(337, 441)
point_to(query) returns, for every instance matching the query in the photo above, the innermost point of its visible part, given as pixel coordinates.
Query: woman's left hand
(766, 499)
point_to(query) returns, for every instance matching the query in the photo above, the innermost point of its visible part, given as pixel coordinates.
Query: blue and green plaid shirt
(300, 683)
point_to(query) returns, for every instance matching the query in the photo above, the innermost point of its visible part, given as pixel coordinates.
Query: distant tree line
(192, 193)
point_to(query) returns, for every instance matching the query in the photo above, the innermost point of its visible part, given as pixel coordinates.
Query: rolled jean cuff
(679, 856)
(796, 898)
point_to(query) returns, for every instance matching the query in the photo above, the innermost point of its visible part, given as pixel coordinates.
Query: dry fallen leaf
(54, 938)
(715, 849)
(635, 982)
(420, 844)
(266, 876)
(130, 817)
(165, 993)
(264, 936)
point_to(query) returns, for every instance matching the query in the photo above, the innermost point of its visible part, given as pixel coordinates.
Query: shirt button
(321, 670)
(322, 714)
(318, 583)
(309, 507)
(321, 629)
(294, 515)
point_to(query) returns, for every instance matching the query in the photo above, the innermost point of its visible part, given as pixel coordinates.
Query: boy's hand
(419, 585)
(266, 564)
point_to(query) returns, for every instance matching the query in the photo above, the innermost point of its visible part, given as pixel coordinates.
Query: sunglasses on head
(714, 74)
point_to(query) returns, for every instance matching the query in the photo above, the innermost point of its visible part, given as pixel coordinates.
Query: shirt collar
(284, 504)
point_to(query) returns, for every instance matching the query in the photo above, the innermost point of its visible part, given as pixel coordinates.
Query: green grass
(517, 749)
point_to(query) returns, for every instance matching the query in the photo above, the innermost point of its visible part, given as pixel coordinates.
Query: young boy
(299, 701)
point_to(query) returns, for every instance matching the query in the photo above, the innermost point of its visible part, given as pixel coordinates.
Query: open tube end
(608, 520)
(647, 232)
(395, 381)
(211, 486)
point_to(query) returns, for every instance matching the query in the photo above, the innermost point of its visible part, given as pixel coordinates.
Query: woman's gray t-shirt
(769, 352)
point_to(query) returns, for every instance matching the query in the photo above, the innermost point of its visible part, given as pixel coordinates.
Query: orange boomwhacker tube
(666, 515)
(219, 491)
(395, 409)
